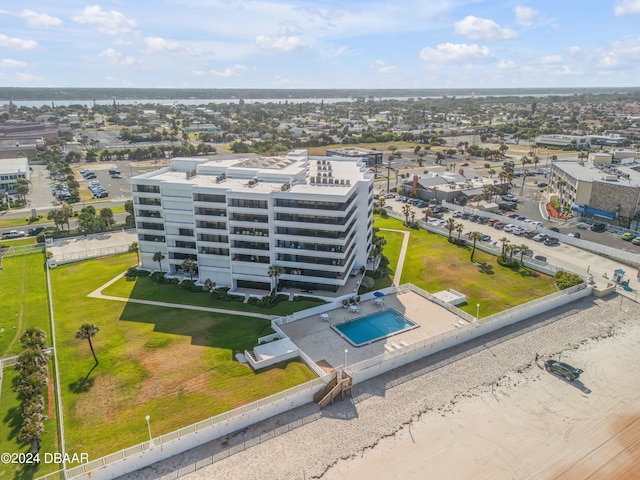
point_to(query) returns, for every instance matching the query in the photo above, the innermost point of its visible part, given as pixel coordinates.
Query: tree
(209, 285)
(450, 225)
(158, 257)
(504, 241)
(128, 207)
(459, 229)
(86, 331)
(134, 247)
(31, 431)
(106, 214)
(406, 211)
(22, 187)
(523, 249)
(474, 236)
(427, 213)
(189, 266)
(274, 272)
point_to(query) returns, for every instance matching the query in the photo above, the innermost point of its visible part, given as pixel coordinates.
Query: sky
(324, 44)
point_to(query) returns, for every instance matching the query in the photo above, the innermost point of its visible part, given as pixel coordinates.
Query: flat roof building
(371, 157)
(237, 217)
(10, 170)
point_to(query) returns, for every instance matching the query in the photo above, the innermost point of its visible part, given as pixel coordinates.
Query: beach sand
(481, 410)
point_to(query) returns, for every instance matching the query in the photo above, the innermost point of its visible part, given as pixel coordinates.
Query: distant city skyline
(329, 44)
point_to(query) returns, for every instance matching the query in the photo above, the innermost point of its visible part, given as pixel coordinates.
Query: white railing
(24, 250)
(61, 258)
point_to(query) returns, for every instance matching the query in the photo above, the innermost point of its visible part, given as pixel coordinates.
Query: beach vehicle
(628, 236)
(563, 369)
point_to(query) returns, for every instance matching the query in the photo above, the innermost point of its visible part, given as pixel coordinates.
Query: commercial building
(370, 157)
(556, 140)
(604, 191)
(449, 187)
(12, 169)
(239, 217)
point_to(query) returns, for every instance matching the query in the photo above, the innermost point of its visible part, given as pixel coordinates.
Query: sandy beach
(481, 410)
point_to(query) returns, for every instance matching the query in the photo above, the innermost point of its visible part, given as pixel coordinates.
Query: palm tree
(406, 211)
(33, 338)
(189, 265)
(427, 212)
(504, 241)
(274, 272)
(475, 236)
(86, 331)
(450, 225)
(511, 249)
(134, 248)
(523, 249)
(209, 285)
(459, 229)
(31, 431)
(158, 257)
(413, 217)
(560, 184)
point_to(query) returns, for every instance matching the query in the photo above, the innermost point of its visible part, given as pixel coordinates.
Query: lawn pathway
(403, 252)
(97, 293)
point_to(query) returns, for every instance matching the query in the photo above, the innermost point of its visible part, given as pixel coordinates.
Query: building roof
(13, 165)
(605, 173)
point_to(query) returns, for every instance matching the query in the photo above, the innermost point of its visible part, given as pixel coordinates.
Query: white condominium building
(238, 217)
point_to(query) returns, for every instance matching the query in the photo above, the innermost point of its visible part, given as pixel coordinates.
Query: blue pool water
(373, 327)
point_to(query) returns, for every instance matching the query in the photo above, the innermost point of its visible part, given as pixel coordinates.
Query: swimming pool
(371, 328)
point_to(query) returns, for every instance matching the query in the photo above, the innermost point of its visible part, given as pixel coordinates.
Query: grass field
(391, 251)
(17, 242)
(176, 366)
(24, 300)
(435, 264)
(144, 289)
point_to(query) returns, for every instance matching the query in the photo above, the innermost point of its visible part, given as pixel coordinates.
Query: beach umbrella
(378, 294)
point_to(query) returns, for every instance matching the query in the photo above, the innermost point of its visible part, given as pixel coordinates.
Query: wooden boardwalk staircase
(340, 383)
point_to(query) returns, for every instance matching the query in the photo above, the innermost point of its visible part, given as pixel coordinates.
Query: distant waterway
(235, 101)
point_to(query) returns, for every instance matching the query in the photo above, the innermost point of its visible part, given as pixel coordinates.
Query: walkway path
(403, 252)
(97, 293)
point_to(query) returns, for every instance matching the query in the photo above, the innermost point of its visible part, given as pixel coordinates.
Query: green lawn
(144, 289)
(391, 250)
(17, 242)
(10, 413)
(434, 264)
(176, 366)
(24, 300)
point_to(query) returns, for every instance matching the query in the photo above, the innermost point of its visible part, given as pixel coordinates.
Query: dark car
(563, 369)
(35, 231)
(598, 227)
(554, 229)
(552, 241)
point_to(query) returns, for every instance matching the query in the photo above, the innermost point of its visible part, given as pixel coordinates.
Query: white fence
(24, 250)
(61, 258)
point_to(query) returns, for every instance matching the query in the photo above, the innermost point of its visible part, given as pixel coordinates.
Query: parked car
(575, 234)
(542, 185)
(636, 241)
(465, 164)
(563, 369)
(530, 233)
(510, 198)
(456, 214)
(485, 238)
(35, 231)
(628, 236)
(554, 229)
(114, 172)
(541, 237)
(582, 226)
(598, 227)
(550, 241)
(540, 258)
(13, 234)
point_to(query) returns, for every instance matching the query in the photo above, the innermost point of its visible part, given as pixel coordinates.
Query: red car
(465, 164)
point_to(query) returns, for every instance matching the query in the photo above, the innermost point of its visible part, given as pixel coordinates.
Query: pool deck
(321, 343)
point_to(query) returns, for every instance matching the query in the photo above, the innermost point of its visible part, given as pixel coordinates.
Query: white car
(537, 223)
(457, 214)
(518, 231)
(509, 227)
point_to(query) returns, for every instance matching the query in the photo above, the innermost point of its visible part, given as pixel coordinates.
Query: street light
(477, 312)
(346, 352)
(149, 428)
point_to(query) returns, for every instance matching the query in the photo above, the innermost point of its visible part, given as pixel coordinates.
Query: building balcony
(218, 204)
(188, 251)
(204, 243)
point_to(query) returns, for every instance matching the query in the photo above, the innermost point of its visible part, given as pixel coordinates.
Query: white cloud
(574, 50)
(456, 53)
(483, 29)
(234, 71)
(10, 63)
(116, 58)
(162, 45)
(197, 73)
(27, 78)
(525, 16)
(334, 52)
(107, 22)
(507, 65)
(40, 20)
(283, 42)
(550, 59)
(17, 43)
(380, 66)
(627, 7)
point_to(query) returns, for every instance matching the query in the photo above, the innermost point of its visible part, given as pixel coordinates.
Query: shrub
(566, 279)
(504, 261)
(190, 286)
(158, 277)
(134, 272)
(267, 301)
(300, 298)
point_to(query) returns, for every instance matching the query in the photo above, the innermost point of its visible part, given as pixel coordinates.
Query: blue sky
(328, 44)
